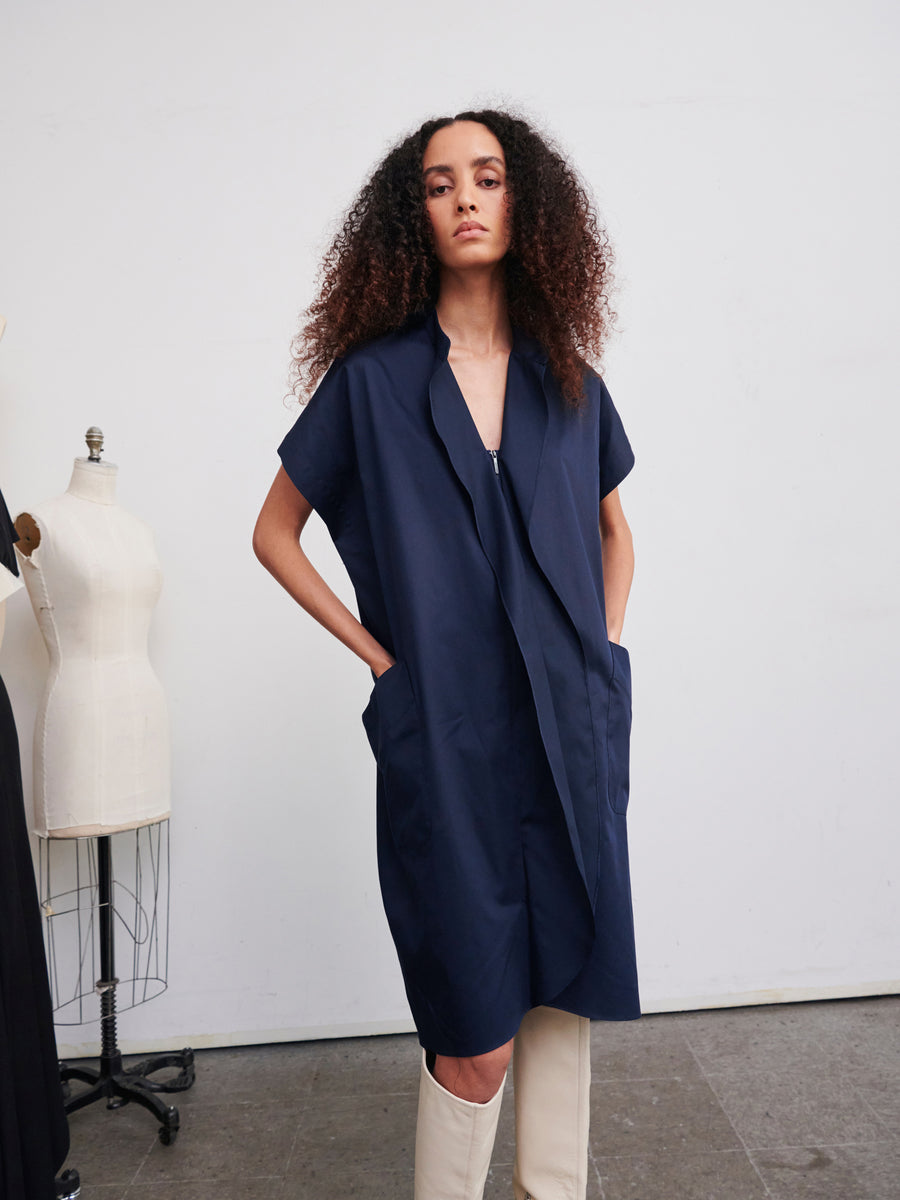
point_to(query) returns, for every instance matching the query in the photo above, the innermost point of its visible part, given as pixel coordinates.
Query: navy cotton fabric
(501, 733)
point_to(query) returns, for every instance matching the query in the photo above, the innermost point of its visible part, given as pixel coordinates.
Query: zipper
(493, 454)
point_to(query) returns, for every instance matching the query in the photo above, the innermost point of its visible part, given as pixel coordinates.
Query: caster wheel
(166, 1135)
(68, 1185)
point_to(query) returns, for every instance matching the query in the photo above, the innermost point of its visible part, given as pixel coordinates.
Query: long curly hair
(381, 268)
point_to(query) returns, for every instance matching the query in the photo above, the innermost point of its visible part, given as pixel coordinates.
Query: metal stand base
(68, 1185)
(121, 1085)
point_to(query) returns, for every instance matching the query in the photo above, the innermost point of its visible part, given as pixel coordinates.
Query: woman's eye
(438, 189)
(493, 182)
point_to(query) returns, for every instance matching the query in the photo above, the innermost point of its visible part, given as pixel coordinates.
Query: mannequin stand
(121, 1085)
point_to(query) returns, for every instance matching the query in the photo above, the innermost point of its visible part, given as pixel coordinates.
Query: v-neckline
(487, 449)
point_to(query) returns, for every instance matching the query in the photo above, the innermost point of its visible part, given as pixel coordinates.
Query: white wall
(172, 174)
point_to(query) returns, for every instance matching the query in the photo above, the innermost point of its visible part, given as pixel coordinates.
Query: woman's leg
(552, 1080)
(459, 1105)
(473, 1078)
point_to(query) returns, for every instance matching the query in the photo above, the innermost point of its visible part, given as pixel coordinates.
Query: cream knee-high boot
(454, 1140)
(552, 1081)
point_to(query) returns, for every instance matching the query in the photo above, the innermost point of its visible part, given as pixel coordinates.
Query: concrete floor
(789, 1101)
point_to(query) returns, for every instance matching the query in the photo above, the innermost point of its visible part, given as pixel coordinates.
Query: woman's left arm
(618, 562)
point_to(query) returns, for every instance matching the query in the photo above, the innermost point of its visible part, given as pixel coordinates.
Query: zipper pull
(493, 454)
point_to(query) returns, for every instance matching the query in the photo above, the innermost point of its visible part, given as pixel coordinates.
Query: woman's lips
(473, 231)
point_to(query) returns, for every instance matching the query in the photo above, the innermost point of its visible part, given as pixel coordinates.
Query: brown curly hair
(381, 268)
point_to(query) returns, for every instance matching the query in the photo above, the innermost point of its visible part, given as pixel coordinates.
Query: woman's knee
(477, 1078)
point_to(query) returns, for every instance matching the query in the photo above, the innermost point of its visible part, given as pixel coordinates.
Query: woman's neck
(93, 481)
(472, 311)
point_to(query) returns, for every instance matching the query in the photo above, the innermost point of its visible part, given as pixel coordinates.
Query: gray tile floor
(790, 1101)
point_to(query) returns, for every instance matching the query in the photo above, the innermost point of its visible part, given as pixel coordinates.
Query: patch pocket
(391, 722)
(618, 729)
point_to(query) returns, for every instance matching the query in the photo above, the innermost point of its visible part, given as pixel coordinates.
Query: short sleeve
(318, 452)
(616, 455)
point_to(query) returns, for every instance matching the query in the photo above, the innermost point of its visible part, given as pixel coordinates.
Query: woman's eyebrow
(476, 162)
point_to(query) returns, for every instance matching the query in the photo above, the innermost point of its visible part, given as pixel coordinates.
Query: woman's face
(465, 184)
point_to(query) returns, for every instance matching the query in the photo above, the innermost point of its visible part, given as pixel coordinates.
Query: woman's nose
(465, 200)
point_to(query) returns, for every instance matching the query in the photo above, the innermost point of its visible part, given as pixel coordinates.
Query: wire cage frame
(70, 904)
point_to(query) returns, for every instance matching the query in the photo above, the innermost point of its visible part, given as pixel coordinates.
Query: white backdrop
(172, 174)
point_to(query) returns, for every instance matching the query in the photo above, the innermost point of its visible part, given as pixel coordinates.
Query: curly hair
(381, 268)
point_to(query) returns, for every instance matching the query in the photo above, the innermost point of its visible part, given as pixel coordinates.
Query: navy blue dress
(501, 733)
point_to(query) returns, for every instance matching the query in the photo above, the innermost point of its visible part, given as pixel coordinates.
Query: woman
(466, 463)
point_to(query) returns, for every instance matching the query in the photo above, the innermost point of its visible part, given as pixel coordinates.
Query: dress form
(101, 742)
(101, 746)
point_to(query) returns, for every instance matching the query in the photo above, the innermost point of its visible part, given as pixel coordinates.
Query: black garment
(34, 1134)
(8, 536)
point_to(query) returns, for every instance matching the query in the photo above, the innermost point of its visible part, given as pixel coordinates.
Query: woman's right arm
(276, 543)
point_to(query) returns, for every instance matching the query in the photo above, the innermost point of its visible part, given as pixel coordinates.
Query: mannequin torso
(101, 748)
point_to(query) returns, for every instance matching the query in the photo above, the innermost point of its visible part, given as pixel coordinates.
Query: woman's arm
(618, 562)
(276, 543)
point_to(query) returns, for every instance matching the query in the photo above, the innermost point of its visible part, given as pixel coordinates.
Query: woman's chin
(473, 255)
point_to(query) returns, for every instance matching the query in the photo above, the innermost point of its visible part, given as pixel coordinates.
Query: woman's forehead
(460, 144)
